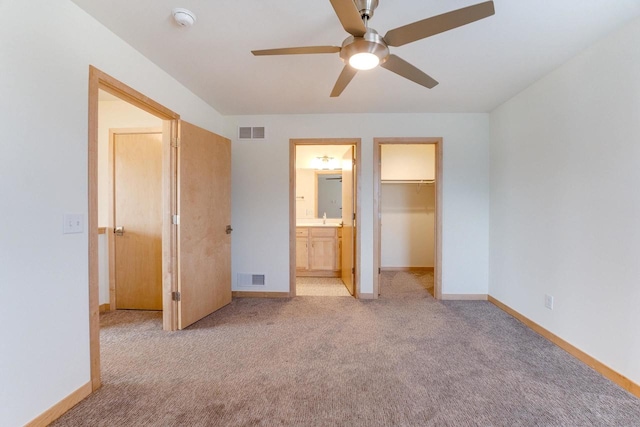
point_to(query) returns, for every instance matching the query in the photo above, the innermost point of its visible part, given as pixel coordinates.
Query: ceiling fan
(365, 49)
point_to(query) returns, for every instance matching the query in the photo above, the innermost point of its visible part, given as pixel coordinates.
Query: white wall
(44, 68)
(115, 115)
(306, 191)
(565, 204)
(408, 220)
(260, 193)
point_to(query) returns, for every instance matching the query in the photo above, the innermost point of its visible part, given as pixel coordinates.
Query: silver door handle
(118, 231)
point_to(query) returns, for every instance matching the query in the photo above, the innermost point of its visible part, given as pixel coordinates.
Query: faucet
(324, 218)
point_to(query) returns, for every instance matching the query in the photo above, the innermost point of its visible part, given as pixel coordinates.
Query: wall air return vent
(257, 132)
(248, 279)
(246, 132)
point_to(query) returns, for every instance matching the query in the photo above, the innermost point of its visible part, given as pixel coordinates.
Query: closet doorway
(324, 217)
(408, 210)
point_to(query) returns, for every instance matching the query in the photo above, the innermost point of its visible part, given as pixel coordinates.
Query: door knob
(229, 229)
(118, 231)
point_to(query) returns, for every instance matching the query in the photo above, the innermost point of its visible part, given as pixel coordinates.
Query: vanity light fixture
(324, 163)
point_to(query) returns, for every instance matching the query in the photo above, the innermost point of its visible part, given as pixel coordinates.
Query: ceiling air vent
(246, 132)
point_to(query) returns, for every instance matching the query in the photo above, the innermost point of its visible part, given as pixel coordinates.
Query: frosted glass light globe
(364, 61)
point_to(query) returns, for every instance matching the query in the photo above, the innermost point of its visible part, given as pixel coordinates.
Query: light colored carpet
(402, 360)
(321, 287)
(398, 283)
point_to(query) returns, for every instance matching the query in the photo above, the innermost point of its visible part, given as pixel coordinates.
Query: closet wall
(408, 205)
(408, 219)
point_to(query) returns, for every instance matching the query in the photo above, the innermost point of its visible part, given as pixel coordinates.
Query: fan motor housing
(371, 42)
(366, 7)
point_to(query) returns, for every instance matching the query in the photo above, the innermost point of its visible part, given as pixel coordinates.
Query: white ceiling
(479, 66)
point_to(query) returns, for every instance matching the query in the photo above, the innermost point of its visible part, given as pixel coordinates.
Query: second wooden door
(137, 190)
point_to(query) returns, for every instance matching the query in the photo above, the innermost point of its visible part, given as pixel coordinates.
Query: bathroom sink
(313, 224)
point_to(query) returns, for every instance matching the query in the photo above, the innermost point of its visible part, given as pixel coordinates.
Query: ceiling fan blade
(408, 71)
(438, 24)
(349, 17)
(297, 50)
(347, 74)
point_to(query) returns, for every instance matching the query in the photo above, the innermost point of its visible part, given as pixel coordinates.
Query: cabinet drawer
(323, 232)
(302, 232)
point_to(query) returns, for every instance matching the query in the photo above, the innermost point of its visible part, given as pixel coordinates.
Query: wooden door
(137, 178)
(204, 205)
(348, 222)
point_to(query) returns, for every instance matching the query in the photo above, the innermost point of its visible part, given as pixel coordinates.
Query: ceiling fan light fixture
(364, 61)
(364, 53)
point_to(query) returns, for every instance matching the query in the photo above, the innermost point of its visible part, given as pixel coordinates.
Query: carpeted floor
(321, 287)
(404, 359)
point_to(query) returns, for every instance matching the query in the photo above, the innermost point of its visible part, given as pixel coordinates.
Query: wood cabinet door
(302, 253)
(323, 253)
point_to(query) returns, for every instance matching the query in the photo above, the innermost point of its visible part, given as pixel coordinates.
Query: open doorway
(129, 206)
(104, 88)
(324, 217)
(408, 219)
(195, 187)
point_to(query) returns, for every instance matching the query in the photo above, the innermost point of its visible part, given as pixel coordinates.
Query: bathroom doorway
(324, 217)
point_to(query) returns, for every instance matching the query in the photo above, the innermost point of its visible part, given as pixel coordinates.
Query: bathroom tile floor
(320, 287)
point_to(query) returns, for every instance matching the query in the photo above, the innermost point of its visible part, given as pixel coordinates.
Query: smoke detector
(184, 17)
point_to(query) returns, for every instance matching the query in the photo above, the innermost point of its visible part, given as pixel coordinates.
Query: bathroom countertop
(315, 224)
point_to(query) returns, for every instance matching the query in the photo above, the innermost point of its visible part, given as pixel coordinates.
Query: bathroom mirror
(329, 194)
(318, 192)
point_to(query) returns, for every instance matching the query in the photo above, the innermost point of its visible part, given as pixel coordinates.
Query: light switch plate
(73, 223)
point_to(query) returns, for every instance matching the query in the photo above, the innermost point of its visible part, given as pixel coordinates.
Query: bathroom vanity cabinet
(318, 251)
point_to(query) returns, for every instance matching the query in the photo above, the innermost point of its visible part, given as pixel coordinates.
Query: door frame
(112, 204)
(377, 189)
(100, 80)
(356, 142)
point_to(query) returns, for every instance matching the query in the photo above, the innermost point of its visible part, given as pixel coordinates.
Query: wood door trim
(357, 142)
(377, 187)
(100, 80)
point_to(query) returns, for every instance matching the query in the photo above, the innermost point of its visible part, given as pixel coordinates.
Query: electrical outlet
(73, 223)
(548, 301)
